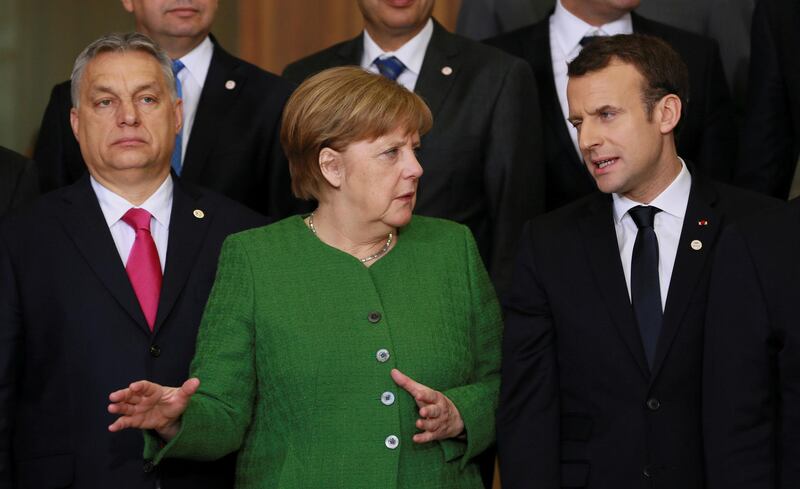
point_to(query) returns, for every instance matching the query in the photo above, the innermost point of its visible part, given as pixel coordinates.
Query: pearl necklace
(377, 255)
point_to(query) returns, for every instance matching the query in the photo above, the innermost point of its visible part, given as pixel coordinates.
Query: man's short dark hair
(663, 70)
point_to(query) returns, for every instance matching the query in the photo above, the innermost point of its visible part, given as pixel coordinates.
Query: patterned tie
(177, 66)
(645, 288)
(390, 67)
(144, 266)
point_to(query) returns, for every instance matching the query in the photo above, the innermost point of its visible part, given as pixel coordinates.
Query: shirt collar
(198, 60)
(673, 200)
(569, 29)
(114, 206)
(412, 53)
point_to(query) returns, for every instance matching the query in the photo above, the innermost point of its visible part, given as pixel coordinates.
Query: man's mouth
(604, 162)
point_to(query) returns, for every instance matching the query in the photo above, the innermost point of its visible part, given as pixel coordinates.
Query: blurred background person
(725, 21)
(318, 324)
(771, 138)
(19, 184)
(103, 282)
(483, 157)
(231, 109)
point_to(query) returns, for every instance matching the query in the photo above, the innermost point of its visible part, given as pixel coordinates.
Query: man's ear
(669, 109)
(178, 108)
(128, 5)
(330, 163)
(73, 121)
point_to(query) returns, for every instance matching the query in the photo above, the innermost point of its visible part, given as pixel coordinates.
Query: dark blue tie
(645, 288)
(177, 66)
(390, 67)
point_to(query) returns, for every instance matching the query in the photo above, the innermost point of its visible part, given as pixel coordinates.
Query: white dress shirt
(411, 54)
(566, 32)
(193, 77)
(668, 224)
(159, 205)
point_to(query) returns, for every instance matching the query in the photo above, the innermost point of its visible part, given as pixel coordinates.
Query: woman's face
(378, 179)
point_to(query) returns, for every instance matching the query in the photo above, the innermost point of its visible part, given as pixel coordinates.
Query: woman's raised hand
(149, 406)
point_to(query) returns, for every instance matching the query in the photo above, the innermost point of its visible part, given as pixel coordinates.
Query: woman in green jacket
(353, 347)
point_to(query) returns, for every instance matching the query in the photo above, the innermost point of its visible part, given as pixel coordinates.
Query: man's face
(173, 18)
(622, 147)
(126, 120)
(598, 12)
(396, 16)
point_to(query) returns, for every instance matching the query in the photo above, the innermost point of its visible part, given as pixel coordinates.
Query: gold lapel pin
(199, 214)
(230, 84)
(447, 71)
(696, 245)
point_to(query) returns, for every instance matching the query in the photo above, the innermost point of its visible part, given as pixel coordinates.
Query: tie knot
(177, 66)
(643, 215)
(390, 67)
(589, 38)
(138, 219)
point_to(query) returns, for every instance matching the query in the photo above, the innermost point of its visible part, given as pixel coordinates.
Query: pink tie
(144, 267)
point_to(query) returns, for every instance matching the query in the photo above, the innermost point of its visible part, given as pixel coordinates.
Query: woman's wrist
(169, 431)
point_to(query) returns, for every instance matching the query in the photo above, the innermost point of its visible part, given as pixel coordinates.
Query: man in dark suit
(104, 281)
(602, 349)
(232, 110)
(771, 137)
(708, 136)
(752, 366)
(18, 182)
(482, 159)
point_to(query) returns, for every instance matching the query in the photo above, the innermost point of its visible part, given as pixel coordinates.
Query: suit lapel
(84, 223)
(216, 100)
(597, 229)
(700, 224)
(187, 233)
(538, 54)
(434, 83)
(350, 52)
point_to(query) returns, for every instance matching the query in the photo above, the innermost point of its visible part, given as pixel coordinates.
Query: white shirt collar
(411, 53)
(198, 60)
(114, 206)
(673, 200)
(569, 29)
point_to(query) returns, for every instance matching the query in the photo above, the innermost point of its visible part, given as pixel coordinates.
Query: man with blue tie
(231, 113)
(483, 157)
(104, 281)
(603, 343)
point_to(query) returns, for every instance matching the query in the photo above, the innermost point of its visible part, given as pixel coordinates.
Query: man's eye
(104, 103)
(606, 114)
(149, 100)
(390, 152)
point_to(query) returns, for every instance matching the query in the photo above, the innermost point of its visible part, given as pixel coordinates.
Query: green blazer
(288, 360)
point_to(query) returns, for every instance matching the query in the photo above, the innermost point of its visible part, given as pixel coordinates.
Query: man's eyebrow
(139, 88)
(604, 108)
(102, 89)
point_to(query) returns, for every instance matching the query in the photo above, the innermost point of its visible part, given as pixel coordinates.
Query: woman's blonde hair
(340, 106)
